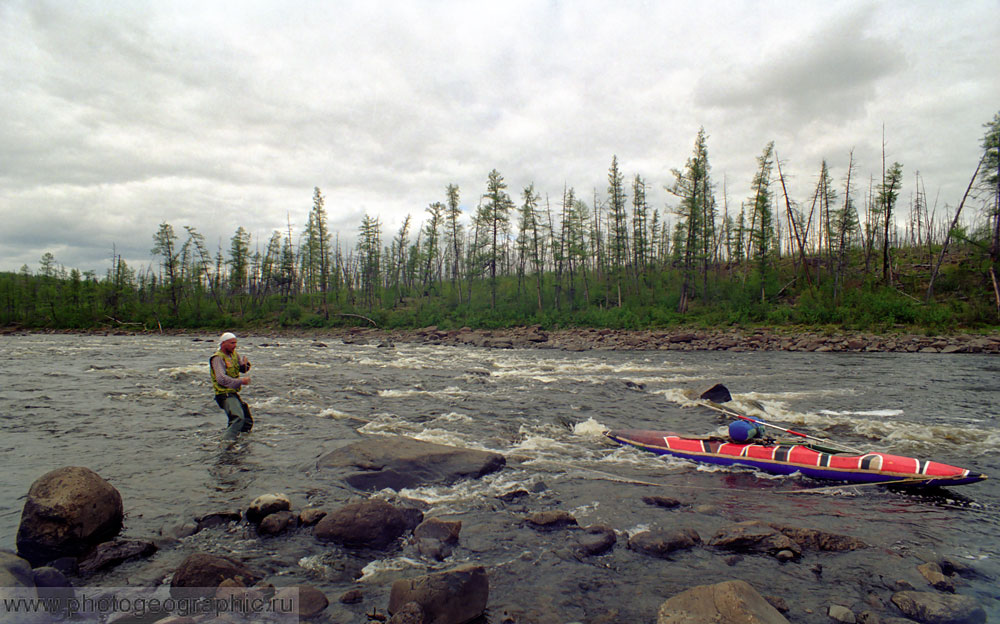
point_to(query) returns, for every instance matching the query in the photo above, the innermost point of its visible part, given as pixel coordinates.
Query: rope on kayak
(842, 486)
(620, 479)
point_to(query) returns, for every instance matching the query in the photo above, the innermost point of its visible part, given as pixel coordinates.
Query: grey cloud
(832, 73)
(223, 114)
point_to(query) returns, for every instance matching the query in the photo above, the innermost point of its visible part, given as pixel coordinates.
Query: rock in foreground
(449, 597)
(368, 524)
(731, 601)
(932, 608)
(201, 573)
(68, 511)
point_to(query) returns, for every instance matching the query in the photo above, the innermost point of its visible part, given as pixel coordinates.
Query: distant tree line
(848, 255)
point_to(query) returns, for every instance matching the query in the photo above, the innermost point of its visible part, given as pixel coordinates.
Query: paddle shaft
(733, 414)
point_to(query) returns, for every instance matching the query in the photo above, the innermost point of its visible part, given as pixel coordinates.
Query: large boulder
(728, 602)
(934, 608)
(369, 524)
(68, 511)
(398, 462)
(200, 574)
(449, 597)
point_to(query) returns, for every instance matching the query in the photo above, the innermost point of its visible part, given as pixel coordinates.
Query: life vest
(232, 369)
(743, 431)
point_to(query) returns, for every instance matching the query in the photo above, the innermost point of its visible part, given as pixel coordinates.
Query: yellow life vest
(232, 369)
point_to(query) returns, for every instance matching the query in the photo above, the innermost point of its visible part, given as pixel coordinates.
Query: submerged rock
(754, 537)
(398, 462)
(814, 539)
(761, 537)
(660, 543)
(840, 613)
(115, 552)
(215, 519)
(68, 511)
(932, 608)
(662, 501)
(277, 523)
(597, 539)
(731, 601)
(549, 520)
(937, 579)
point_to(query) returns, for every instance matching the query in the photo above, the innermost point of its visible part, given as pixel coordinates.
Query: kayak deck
(785, 458)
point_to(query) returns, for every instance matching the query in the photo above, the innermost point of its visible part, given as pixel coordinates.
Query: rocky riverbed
(682, 340)
(65, 535)
(586, 339)
(543, 521)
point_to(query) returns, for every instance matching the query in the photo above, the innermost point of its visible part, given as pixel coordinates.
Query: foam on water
(305, 365)
(681, 396)
(450, 391)
(584, 511)
(449, 438)
(157, 393)
(545, 411)
(333, 413)
(199, 370)
(885, 413)
(453, 417)
(589, 428)
(372, 571)
(446, 499)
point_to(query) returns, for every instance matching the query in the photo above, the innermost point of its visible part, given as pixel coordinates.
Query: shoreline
(604, 339)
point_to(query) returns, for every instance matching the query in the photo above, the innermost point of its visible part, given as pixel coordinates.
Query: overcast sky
(118, 115)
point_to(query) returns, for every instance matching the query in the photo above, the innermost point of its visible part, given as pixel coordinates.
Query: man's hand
(245, 381)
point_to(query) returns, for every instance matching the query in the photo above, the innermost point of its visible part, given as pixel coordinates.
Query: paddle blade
(717, 394)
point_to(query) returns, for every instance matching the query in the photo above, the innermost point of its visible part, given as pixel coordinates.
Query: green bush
(291, 315)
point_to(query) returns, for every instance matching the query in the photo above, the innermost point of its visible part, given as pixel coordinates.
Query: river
(138, 410)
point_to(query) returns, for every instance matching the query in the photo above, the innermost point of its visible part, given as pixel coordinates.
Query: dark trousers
(240, 420)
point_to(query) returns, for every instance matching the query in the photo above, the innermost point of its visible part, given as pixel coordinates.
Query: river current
(139, 411)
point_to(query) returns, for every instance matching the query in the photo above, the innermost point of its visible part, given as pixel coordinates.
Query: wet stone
(661, 543)
(662, 501)
(212, 520)
(550, 520)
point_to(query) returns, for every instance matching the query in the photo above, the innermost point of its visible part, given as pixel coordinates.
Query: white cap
(227, 336)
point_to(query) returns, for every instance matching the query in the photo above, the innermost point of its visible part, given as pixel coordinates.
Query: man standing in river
(227, 367)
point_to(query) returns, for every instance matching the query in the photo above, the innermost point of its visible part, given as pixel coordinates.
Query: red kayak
(811, 460)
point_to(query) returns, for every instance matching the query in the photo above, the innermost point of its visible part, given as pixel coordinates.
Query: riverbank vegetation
(854, 254)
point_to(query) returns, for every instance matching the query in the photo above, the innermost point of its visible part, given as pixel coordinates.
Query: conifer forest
(853, 254)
